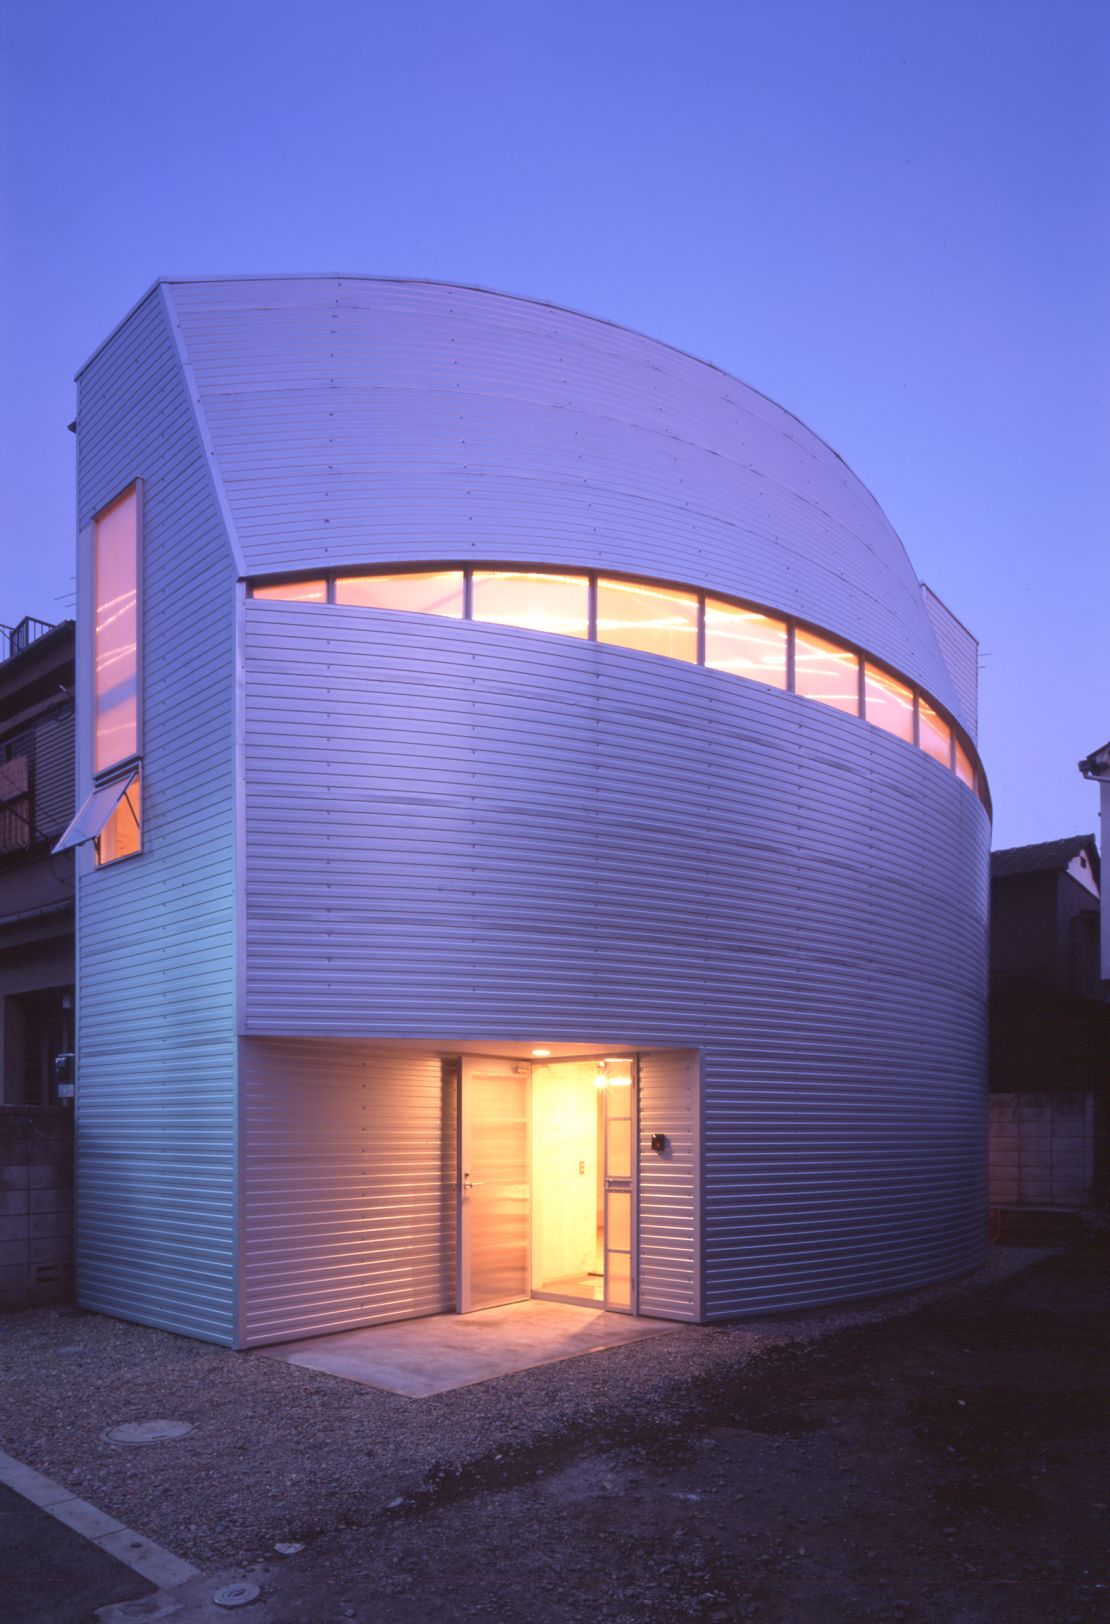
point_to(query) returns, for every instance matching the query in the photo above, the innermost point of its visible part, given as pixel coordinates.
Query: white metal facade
(448, 831)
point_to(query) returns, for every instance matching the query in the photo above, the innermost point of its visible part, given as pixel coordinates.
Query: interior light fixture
(541, 1054)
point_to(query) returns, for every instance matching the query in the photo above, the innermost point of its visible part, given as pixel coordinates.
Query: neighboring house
(1096, 767)
(1050, 1038)
(36, 887)
(36, 963)
(532, 840)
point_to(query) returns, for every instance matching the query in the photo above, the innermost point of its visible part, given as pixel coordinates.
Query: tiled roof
(1050, 854)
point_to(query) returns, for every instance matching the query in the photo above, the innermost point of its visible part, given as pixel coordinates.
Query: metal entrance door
(494, 1182)
(620, 1185)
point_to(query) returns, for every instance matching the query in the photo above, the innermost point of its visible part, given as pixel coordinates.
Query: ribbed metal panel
(463, 831)
(669, 1206)
(348, 1187)
(364, 421)
(53, 766)
(960, 652)
(156, 934)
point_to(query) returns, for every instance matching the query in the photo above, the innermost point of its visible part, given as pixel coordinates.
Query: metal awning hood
(95, 810)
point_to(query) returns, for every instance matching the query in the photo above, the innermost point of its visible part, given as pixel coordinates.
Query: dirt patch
(944, 1467)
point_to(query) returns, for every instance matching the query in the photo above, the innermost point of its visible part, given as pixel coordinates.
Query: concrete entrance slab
(425, 1356)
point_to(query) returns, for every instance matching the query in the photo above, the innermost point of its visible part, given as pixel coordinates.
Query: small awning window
(95, 812)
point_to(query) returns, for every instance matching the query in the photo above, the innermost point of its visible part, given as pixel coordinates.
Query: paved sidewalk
(53, 1575)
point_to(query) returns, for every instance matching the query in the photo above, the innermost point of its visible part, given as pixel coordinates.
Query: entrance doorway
(547, 1182)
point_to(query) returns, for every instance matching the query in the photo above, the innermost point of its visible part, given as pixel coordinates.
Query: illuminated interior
(652, 618)
(933, 734)
(538, 601)
(887, 702)
(295, 591)
(746, 643)
(424, 592)
(735, 638)
(826, 671)
(582, 1151)
(121, 836)
(115, 632)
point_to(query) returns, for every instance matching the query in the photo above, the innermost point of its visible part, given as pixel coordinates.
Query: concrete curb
(152, 1561)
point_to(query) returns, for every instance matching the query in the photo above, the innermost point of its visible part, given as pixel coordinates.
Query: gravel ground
(279, 1453)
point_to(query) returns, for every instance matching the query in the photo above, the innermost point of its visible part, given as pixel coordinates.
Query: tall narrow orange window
(116, 631)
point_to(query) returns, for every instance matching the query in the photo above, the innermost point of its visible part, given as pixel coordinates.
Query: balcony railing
(14, 639)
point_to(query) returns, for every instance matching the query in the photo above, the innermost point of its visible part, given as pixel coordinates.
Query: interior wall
(564, 1170)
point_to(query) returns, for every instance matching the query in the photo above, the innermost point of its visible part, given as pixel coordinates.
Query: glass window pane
(965, 772)
(649, 618)
(421, 592)
(618, 1279)
(888, 703)
(618, 1221)
(618, 1148)
(120, 836)
(115, 632)
(826, 671)
(294, 591)
(544, 603)
(934, 735)
(745, 642)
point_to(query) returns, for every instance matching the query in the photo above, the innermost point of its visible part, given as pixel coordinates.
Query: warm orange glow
(121, 836)
(422, 592)
(651, 618)
(826, 671)
(888, 703)
(965, 772)
(933, 734)
(294, 591)
(115, 632)
(541, 1054)
(538, 601)
(745, 642)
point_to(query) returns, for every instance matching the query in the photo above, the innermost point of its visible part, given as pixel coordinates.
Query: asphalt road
(49, 1574)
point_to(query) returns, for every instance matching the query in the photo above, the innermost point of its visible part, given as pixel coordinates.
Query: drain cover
(235, 1595)
(146, 1432)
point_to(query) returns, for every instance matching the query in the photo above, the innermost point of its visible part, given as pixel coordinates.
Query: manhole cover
(235, 1595)
(146, 1432)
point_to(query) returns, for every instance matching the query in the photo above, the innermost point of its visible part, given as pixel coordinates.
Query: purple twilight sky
(893, 218)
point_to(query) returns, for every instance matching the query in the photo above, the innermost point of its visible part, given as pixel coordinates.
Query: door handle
(469, 1184)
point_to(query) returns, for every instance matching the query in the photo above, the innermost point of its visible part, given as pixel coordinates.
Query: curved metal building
(550, 765)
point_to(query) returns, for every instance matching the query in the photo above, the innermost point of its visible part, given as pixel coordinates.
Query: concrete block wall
(36, 1206)
(1041, 1149)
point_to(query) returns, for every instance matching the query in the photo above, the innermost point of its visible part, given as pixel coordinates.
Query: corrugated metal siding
(156, 934)
(960, 652)
(464, 831)
(669, 1231)
(365, 421)
(54, 757)
(349, 1187)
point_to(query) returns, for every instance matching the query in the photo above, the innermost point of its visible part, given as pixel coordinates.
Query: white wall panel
(362, 420)
(156, 934)
(669, 1232)
(455, 830)
(349, 1187)
(960, 652)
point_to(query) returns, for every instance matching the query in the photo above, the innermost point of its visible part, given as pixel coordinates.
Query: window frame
(702, 597)
(128, 766)
(103, 774)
